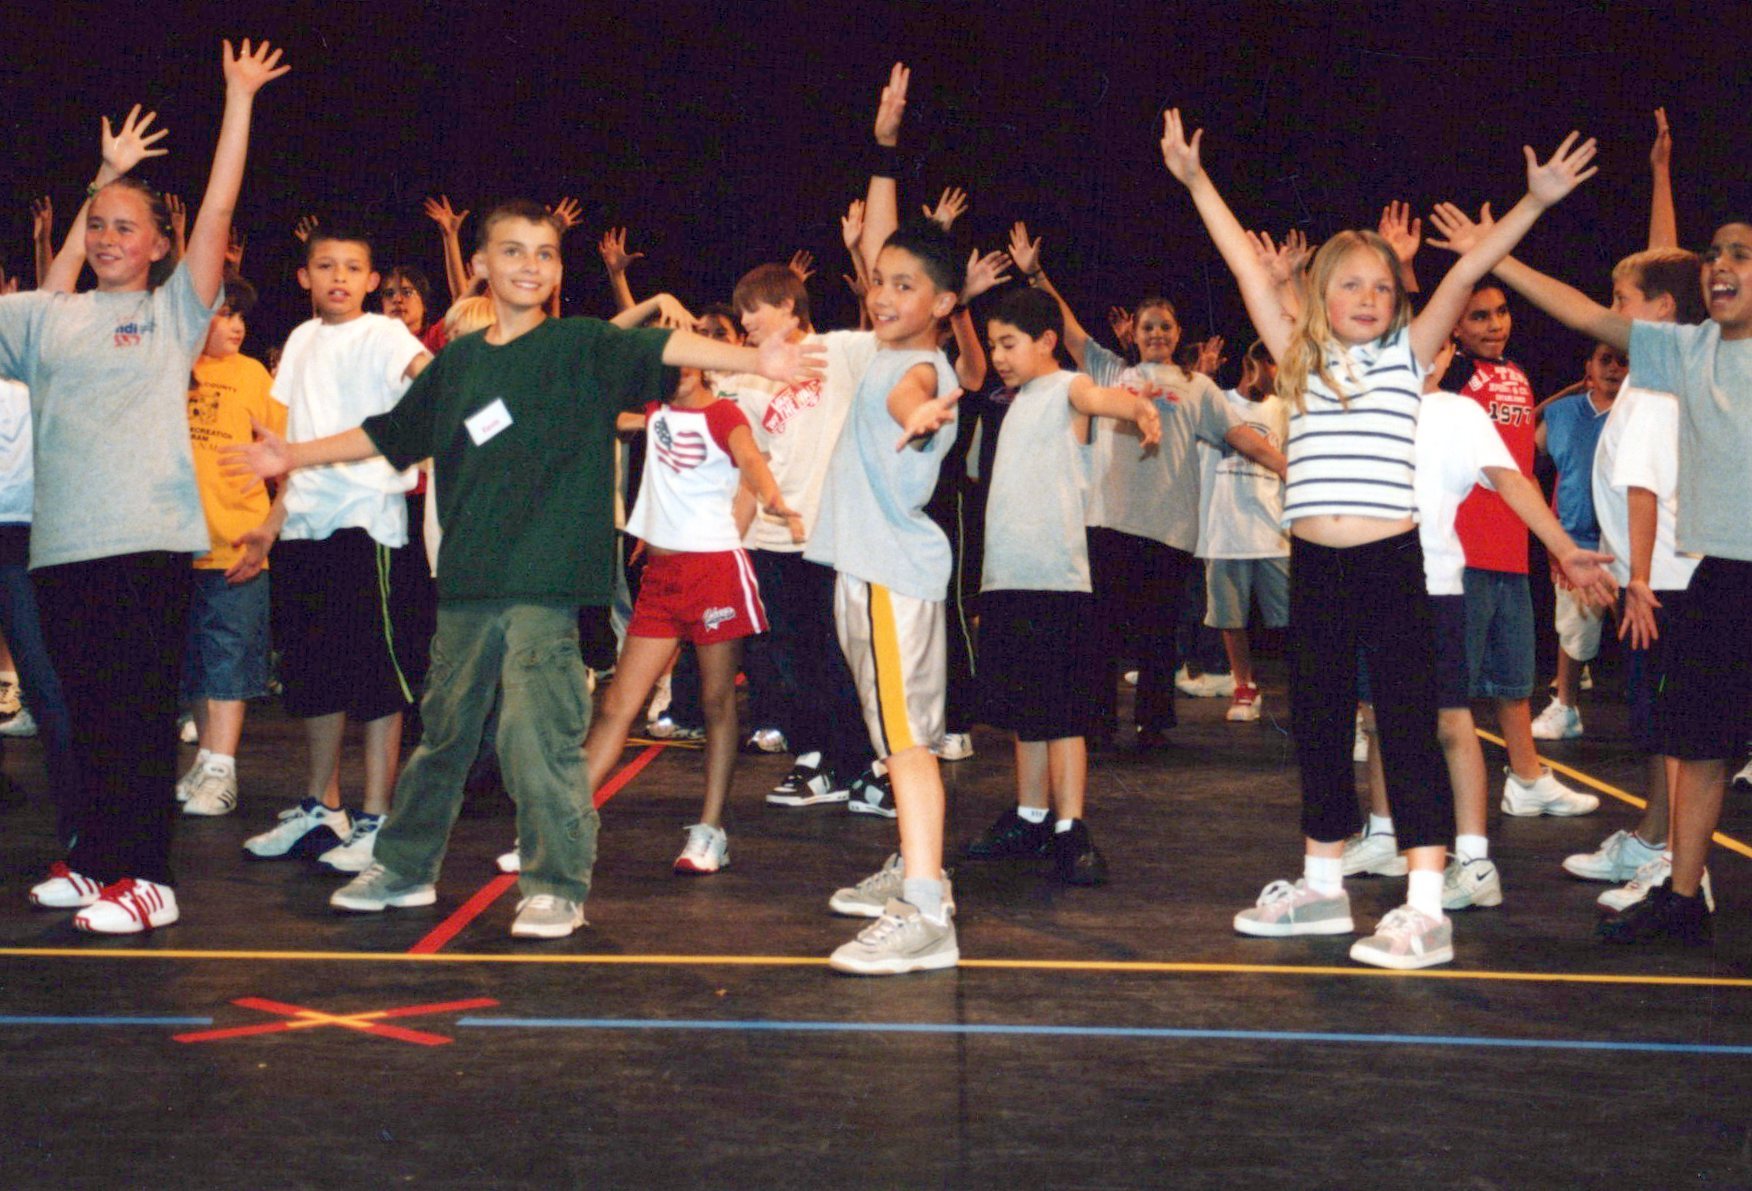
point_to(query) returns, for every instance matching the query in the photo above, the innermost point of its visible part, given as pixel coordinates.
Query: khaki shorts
(894, 646)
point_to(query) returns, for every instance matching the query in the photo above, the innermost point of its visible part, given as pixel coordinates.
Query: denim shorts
(1232, 584)
(1499, 634)
(227, 654)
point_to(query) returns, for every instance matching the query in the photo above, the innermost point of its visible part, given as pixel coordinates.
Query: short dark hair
(526, 209)
(1490, 281)
(935, 249)
(338, 234)
(240, 296)
(773, 284)
(1154, 301)
(1670, 271)
(1033, 311)
(416, 277)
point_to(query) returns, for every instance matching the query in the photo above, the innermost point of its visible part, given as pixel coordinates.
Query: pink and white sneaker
(65, 889)
(129, 907)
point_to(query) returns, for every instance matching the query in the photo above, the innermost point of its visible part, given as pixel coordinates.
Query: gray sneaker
(1471, 883)
(376, 889)
(547, 916)
(1406, 940)
(1284, 910)
(869, 897)
(901, 940)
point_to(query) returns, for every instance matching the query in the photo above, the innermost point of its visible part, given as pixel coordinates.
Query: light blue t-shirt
(1572, 431)
(872, 523)
(1034, 539)
(1712, 377)
(109, 387)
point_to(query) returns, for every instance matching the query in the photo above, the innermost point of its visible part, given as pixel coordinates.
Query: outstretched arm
(271, 456)
(777, 357)
(917, 408)
(1258, 291)
(1585, 569)
(247, 70)
(1547, 184)
(1087, 397)
(882, 200)
(1565, 303)
(1025, 253)
(1663, 223)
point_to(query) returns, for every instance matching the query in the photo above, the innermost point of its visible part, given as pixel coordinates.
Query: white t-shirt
(16, 482)
(1240, 502)
(796, 427)
(1639, 447)
(1456, 441)
(690, 478)
(332, 377)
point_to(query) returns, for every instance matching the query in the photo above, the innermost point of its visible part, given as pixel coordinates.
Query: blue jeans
(36, 674)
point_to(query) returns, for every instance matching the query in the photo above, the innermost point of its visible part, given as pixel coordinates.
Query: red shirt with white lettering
(1494, 537)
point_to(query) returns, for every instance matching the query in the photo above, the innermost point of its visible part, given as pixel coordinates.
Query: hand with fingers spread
(248, 70)
(448, 219)
(857, 285)
(892, 106)
(1661, 152)
(1402, 233)
(1585, 572)
(1024, 253)
(1458, 231)
(266, 458)
(852, 225)
(1122, 324)
(984, 273)
(802, 263)
(950, 207)
(568, 212)
(613, 247)
(42, 218)
(1637, 624)
(132, 144)
(307, 224)
(1567, 168)
(1180, 154)
(789, 361)
(1210, 356)
(927, 418)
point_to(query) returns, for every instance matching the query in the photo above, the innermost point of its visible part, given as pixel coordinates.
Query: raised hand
(308, 223)
(1210, 356)
(124, 150)
(1275, 260)
(1024, 253)
(1179, 154)
(234, 245)
(568, 212)
(42, 218)
(892, 106)
(1566, 169)
(179, 216)
(852, 225)
(802, 263)
(950, 207)
(613, 247)
(439, 211)
(857, 285)
(1296, 250)
(1661, 152)
(1123, 325)
(249, 70)
(984, 273)
(1459, 231)
(1402, 233)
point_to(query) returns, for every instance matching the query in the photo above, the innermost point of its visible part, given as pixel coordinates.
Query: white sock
(1471, 847)
(201, 756)
(811, 760)
(1324, 874)
(220, 763)
(1033, 814)
(1380, 824)
(924, 893)
(1424, 892)
(1062, 826)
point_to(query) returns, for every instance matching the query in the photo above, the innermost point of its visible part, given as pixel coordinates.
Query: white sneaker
(707, 851)
(22, 724)
(1205, 686)
(304, 831)
(546, 916)
(1405, 940)
(1649, 876)
(956, 746)
(510, 862)
(900, 940)
(1559, 721)
(128, 907)
(214, 792)
(1131, 678)
(354, 856)
(1620, 858)
(1245, 707)
(64, 889)
(187, 781)
(186, 730)
(1471, 883)
(1374, 855)
(1743, 779)
(1547, 796)
(768, 740)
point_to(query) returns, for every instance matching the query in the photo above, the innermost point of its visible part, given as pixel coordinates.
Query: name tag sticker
(488, 422)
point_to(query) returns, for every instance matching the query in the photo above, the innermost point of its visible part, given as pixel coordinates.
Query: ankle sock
(1471, 847)
(924, 893)
(1032, 814)
(219, 763)
(1380, 824)
(1324, 874)
(1424, 892)
(1062, 826)
(810, 759)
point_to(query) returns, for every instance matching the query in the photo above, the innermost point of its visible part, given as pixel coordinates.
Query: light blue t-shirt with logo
(109, 386)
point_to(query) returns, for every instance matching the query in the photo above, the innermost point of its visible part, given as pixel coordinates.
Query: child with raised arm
(1351, 364)
(1704, 709)
(519, 422)
(1037, 618)
(337, 531)
(108, 371)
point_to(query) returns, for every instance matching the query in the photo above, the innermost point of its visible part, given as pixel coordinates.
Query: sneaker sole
(1290, 930)
(935, 962)
(864, 808)
(360, 905)
(1583, 874)
(1490, 901)
(832, 796)
(190, 808)
(1552, 810)
(132, 928)
(557, 930)
(1253, 718)
(1402, 963)
(1397, 867)
(1564, 736)
(853, 908)
(50, 905)
(689, 869)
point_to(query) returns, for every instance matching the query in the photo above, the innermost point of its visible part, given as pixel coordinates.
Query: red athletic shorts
(699, 597)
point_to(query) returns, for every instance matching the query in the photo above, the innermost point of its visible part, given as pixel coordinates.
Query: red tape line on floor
(477, 905)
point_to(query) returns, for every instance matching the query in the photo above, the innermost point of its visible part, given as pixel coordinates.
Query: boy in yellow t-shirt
(226, 661)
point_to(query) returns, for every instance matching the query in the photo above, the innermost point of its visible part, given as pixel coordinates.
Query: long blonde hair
(1312, 337)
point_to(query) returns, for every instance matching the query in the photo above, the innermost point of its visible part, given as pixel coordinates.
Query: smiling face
(338, 275)
(1158, 334)
(1727, 280)
(521, 263)
(1483, 329)
(905, 304)
(1018, 357)
(122, 241)
(1360, 298)
(224, 335)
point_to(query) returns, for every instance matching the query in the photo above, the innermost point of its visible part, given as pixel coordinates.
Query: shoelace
(1277, 891)
(137, 901)
(799, 777)
(880, 877)
(1402, 923)
(880, 929)
(542, 901)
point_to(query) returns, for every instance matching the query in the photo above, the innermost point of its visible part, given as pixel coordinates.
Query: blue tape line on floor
(610, 1023)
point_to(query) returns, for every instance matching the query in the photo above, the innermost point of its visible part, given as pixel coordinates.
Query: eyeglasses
(406, 291)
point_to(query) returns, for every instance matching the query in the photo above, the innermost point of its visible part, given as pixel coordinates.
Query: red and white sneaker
(129, 907)
(1244, 707)
(64, 890)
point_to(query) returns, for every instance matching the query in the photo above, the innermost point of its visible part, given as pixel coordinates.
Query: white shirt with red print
(689, 480)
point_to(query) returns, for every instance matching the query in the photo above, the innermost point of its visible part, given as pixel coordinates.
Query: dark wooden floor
(1122, 1036)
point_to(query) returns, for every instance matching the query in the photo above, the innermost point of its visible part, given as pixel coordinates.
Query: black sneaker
(1075, 857)
(871, 794)
(1011, 837)
(807, 785)
(1661, 917)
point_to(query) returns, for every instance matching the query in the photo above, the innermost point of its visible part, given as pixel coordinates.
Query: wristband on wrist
(885, 161)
